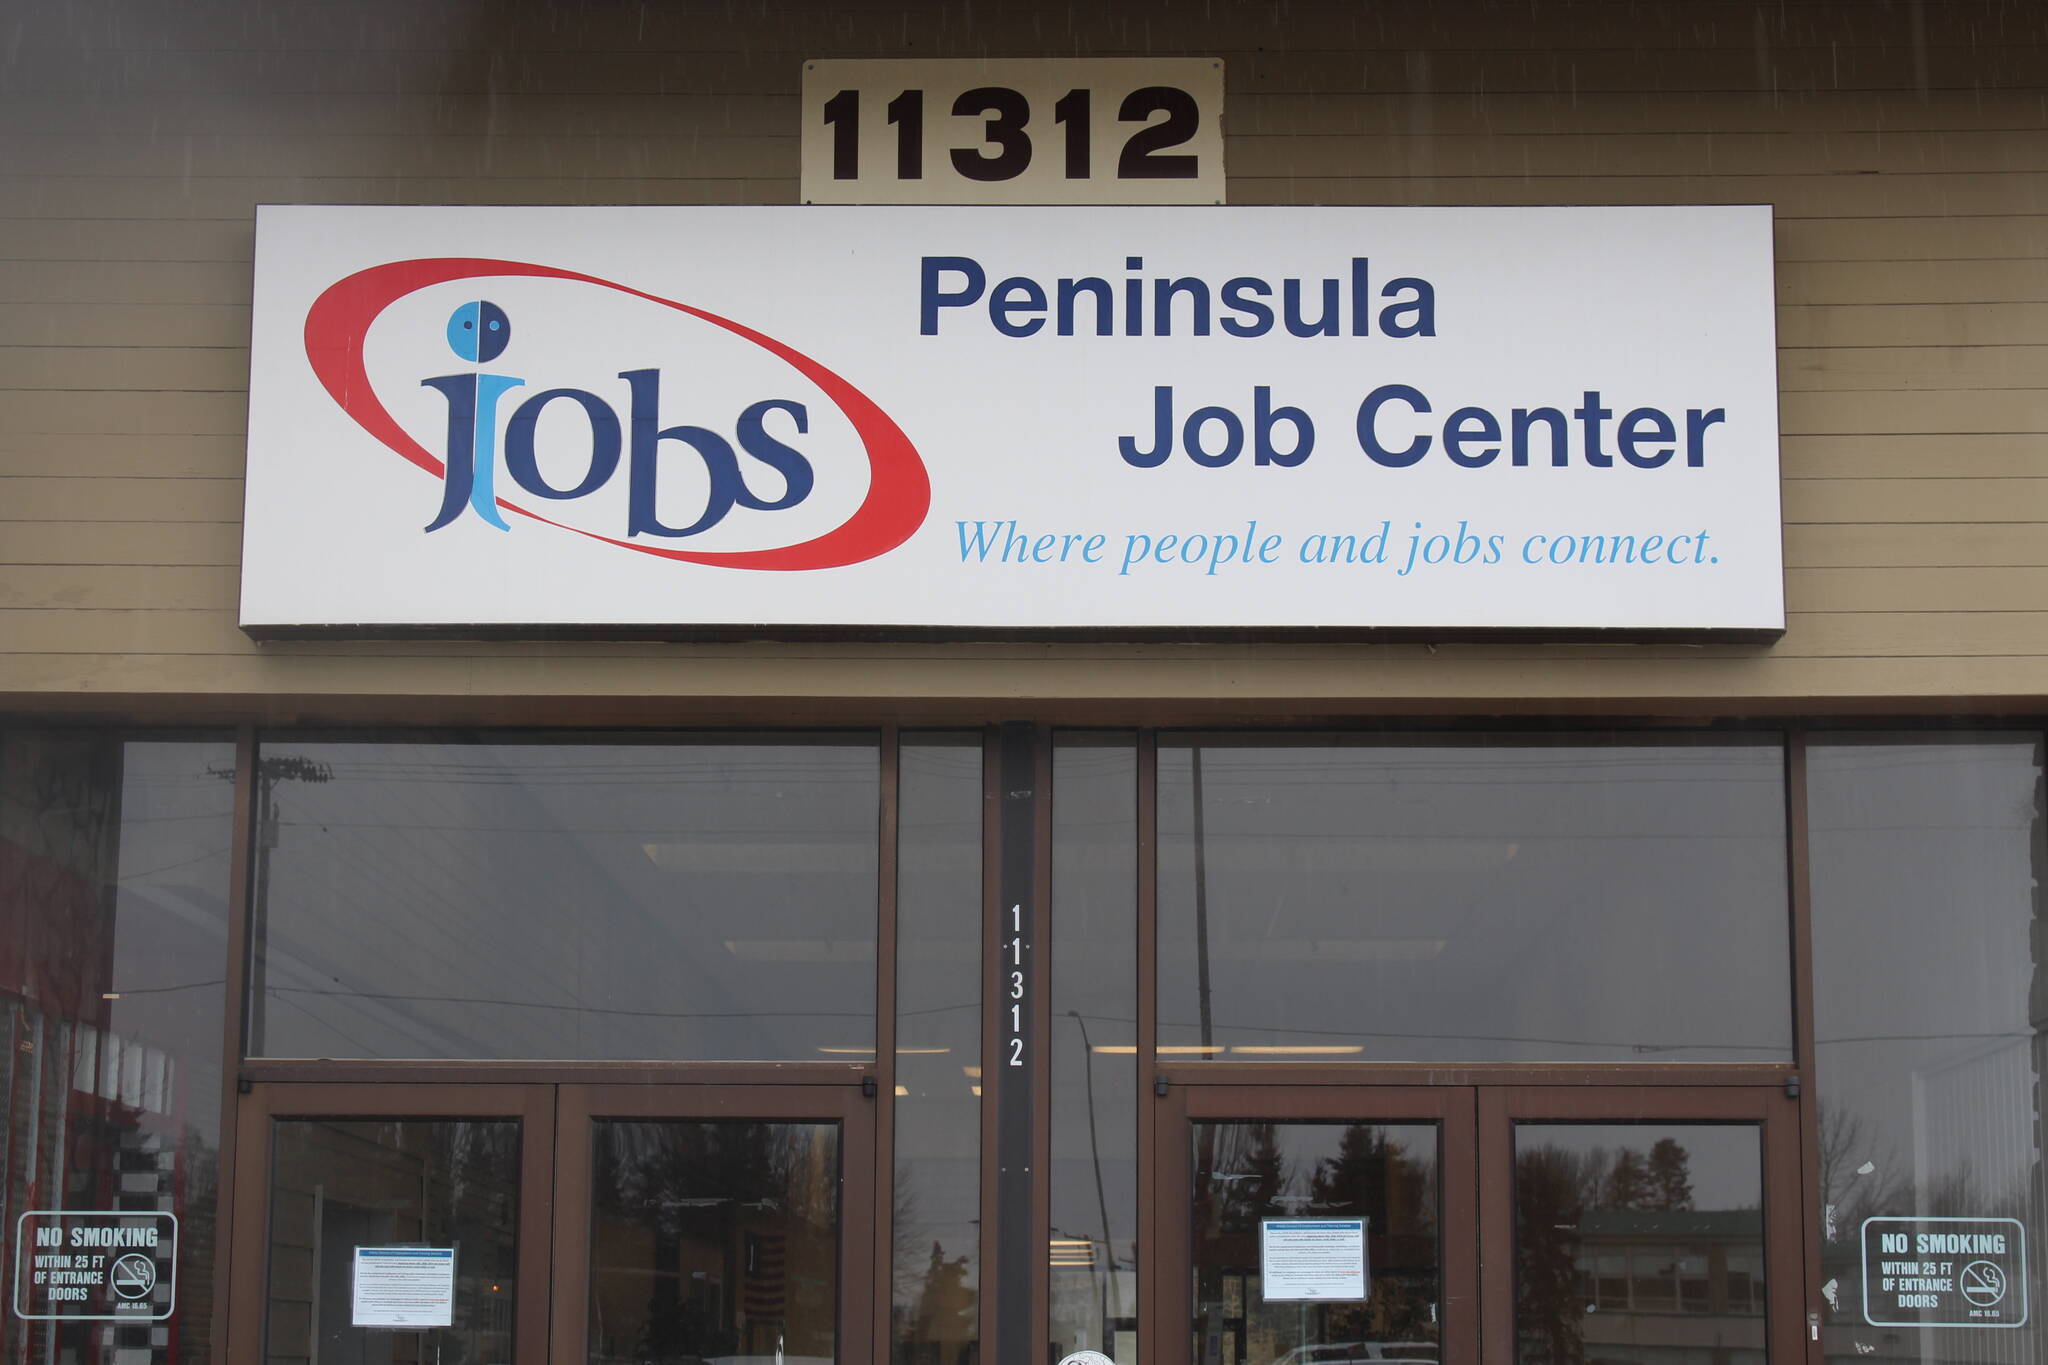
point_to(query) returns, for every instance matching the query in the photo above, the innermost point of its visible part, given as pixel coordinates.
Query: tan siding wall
(1905, 147)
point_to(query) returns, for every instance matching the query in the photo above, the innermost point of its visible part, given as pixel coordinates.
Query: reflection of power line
(389, 996)
(1926, 1037)
(270, 771)
(1112, 1308)
(1773, 1050)
(126, 991)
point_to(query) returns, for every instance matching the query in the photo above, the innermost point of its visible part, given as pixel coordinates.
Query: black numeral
(1007, 113)
(842, 111)
(1072, 110)
(1143, 155)
(906, 111)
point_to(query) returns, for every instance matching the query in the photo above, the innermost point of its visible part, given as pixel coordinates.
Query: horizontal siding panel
(1900, 66)
(1847, 196)
(1979, 456)
(1880, 501)
(1954, 324)
(128, 239)
(119, 324)
(36, 499)
(891, 25)
(100, 587)
(2007, 410)
(743, 63)
(1913, 239)
(427, 111)
(189, 544)
(1906, 545)
(1595, 155)
(124, 282)
(1835, 369)
(87, 196)
(141, 368)
(1907, 634)
(1920, 589)
(33, 411)
(1572, 112)
(256, 70)
(1927, 282)
(665, 152)
(136, 455)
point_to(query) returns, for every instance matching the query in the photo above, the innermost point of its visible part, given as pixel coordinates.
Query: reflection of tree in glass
(1372, 1176)
(1554, 1190)
(1551, 1191)
(1245, 1174)
(946, 1304)
(706, 1196)
(934, 1304)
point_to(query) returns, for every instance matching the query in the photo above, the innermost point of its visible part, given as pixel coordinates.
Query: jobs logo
(491, 466)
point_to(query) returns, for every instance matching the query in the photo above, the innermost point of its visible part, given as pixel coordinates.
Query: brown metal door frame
(846, 1105)
(1166, 1286)
(1477, 1188)
(532, 1105)
(1777, 1119)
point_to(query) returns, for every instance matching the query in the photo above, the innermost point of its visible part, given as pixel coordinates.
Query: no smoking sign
(1944, 1272)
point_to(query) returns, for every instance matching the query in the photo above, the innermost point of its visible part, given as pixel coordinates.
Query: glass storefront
(114, 892)
(1582, 900)
(1930, 1034)
(684, 1047)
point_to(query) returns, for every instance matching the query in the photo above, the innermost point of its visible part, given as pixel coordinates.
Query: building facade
(1243, 997)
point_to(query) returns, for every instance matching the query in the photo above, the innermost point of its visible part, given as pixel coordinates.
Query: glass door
(390, 1224)
(438, 1224)
(1637, 1224)
(707, 1222)
(1318, 1225)
(1540, 1225)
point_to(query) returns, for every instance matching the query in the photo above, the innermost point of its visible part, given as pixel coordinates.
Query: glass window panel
(1930, 996)
(935, 1290)
(1665, 1220)
(114, 871)
(706, 901)
(337, 1185)
(1247, 1172)
(1473, 900)
(714, 1240)
(1094, 1173)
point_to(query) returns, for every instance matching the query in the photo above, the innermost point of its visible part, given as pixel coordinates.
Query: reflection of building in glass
(1651, 1280)
(1615, 1260)
(1246, 1173)
(712, 1240)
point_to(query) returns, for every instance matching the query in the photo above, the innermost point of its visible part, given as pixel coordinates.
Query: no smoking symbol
(134, 1276)
(1983, 1283)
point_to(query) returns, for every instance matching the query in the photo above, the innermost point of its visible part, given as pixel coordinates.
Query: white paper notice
(409, 1287)
(1321, 1259)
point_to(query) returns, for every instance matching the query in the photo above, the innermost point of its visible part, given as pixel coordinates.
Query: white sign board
(1312, 1260)
(1050, 130)
(985, 421)
(403, 1287)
